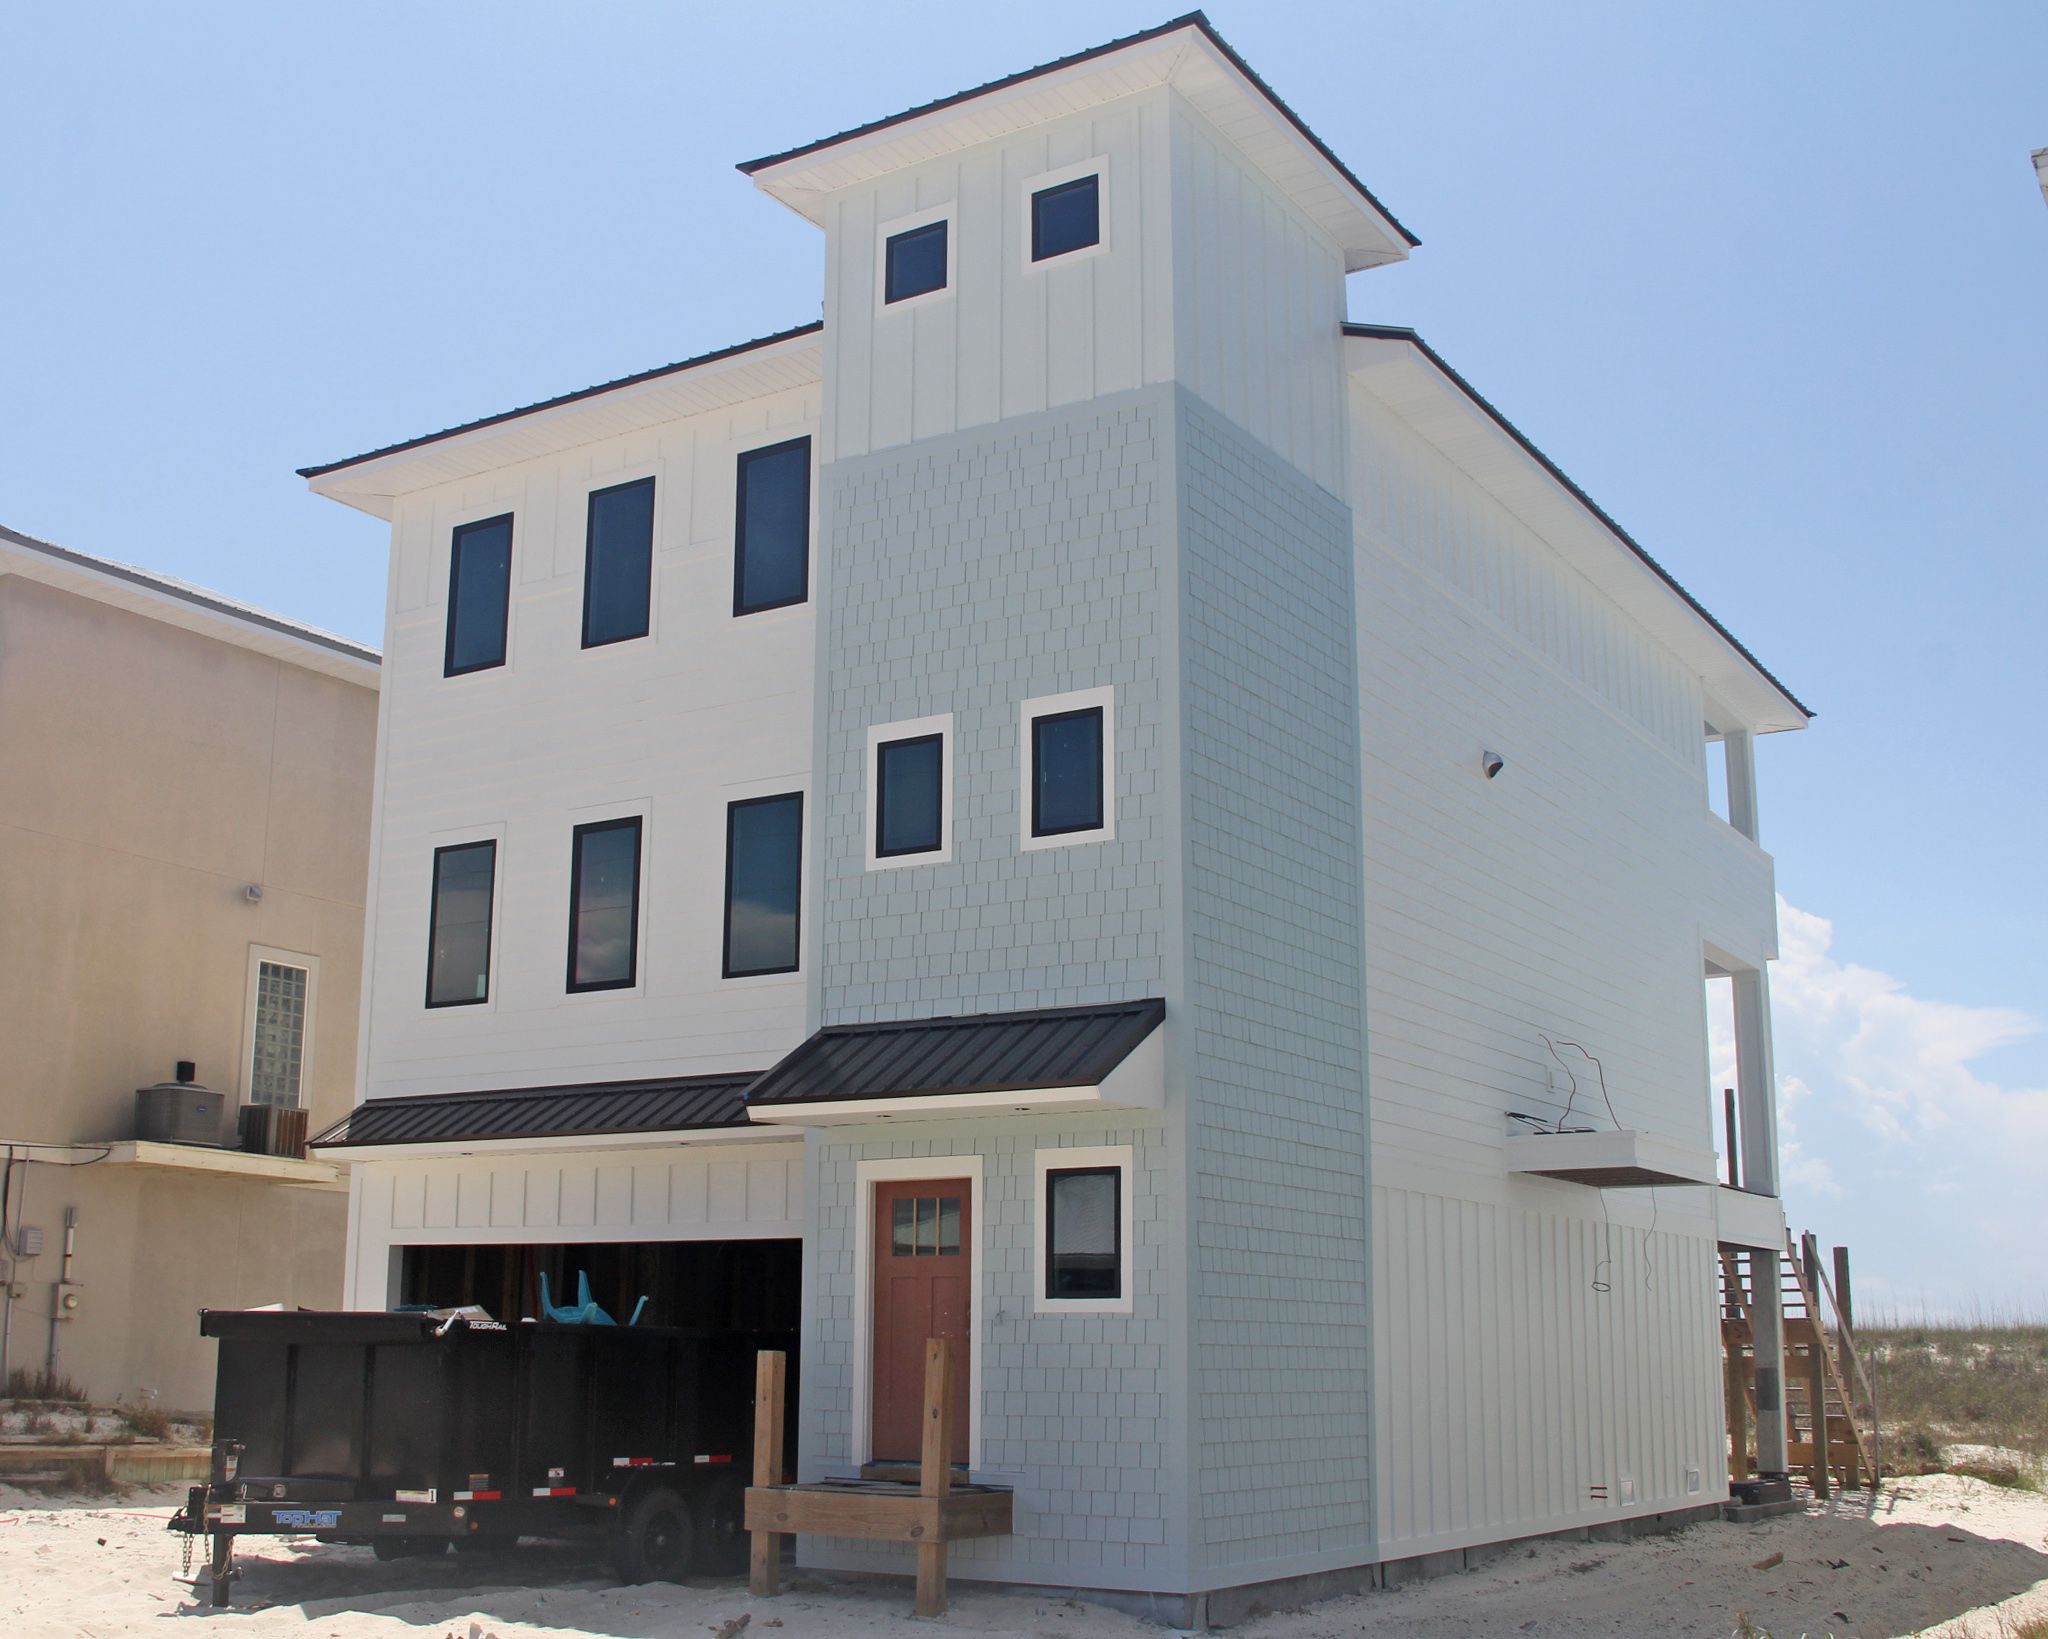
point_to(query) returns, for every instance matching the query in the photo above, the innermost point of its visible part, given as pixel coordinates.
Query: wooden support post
(1816, 1365)
(1734, 1157)
(1735, 1388)
(1842, 1308)
(771, 1378)
(935, 1468)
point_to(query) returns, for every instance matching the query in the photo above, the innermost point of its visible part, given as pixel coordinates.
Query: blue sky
(1768, 281)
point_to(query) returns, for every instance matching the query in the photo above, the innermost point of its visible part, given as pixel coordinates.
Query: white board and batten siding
(1205, 272)
(707, 709)
(1545, 1356)
(696, 1192)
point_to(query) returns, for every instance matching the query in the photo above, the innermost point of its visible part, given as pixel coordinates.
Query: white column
(1738, 749)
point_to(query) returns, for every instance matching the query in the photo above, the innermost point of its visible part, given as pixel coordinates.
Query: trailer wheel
(657, 1538)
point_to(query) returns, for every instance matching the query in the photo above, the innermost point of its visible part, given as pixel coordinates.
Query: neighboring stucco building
(184, 837)
(1067, 806)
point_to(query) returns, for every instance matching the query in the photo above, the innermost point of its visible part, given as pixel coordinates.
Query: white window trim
(258, 955)
(867, 1174)
(1048, 706)
(642, 809)
(947, 213)
(1119, 1156)
(1097, 167)
(913, 728)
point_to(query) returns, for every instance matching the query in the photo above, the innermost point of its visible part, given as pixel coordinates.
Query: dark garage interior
(743, 1285)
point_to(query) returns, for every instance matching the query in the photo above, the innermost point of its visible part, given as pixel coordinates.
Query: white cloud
(1892, 1143)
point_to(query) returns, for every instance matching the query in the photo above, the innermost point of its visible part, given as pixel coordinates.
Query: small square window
(909, 796)
(1066, 772)
(915, 262)
(1066, 218)
(618, 563)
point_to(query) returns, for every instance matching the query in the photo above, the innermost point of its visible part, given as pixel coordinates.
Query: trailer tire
(657, 1537)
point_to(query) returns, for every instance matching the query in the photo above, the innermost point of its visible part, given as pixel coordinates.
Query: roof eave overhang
(443, 1149)
(1137, 1083)
(374, 483)
(1409, 379)
(1186, 55)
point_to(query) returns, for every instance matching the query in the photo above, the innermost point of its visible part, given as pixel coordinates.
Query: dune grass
(1976, 1383)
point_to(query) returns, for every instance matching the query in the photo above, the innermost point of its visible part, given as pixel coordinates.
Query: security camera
(1493, 762)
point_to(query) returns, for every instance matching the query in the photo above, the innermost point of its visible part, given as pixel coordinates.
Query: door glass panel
(949, 1226)
(927, 1226)
(900, 1242)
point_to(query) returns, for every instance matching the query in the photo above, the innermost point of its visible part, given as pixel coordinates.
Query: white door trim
(866, 1175)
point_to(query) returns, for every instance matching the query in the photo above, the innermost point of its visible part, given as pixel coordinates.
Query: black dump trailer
(415, 1433)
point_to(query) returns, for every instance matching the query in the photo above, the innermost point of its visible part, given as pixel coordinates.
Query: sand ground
(1941, 1555)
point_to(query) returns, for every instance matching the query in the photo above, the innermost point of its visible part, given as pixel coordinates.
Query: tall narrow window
(1083, 1233)
(915, 262)
(764, 845)
(772, 533)
(1066, 772)
(1065, 218)
(479, 592)
(618, 560)
(909, 796)
(604, 905)
(459, 927)
(277, 1052)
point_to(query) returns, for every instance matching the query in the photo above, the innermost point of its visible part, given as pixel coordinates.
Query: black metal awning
(1042, 1049)
(585, 1109)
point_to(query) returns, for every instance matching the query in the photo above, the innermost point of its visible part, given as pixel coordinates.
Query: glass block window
(1084, 1233)
(277, 1062)
(927, 1226)
(1066, 218)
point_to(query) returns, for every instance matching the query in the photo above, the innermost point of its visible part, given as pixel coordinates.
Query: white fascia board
(448, 1149)
(1555, 1155)
(1138, 1083)
(283, 1169)
(375, 485)
(1748, 1220)
(1185, 59)
(165, 604)
(1408, 384)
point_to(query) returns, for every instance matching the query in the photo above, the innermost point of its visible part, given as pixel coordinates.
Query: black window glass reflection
(618, 558)
(763, 867)
(915, 262)
(1066, 772)
(1083, 1233)
(459, 925)
(909, 801)
(1068, 217)
(604, 905)
(479, 589)
(772, 535)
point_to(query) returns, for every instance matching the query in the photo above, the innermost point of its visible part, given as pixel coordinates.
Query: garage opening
(743, 1285)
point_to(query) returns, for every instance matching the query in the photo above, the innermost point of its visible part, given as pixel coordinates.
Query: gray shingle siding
(1273, 1013)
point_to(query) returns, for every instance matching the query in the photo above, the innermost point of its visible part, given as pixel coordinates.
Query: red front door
(923, 1277)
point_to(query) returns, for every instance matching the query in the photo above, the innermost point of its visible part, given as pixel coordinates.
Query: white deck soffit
(372, 483)
(1137, 1083)
(191, 608)
(1610, 1160)
(1753, 1221)
(1184, 55)
(1398, 370)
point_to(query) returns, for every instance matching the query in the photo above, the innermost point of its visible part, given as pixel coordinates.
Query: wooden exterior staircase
(1830, 1410)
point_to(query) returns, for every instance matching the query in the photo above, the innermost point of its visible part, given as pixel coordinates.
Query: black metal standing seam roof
(1396, 332)
(588, 1109)
(1193, 19)
(977, 1053)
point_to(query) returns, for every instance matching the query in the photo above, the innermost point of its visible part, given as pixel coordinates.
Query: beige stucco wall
(148, 776)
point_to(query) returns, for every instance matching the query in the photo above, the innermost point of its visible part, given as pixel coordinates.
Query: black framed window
(459, 924)
(1066, 217)
(764, 850)
(772, 533)
(479, 593)
(1066, 772)
(914, 262)
(1084, 1232)
(910, 796)
(618, 561)
(604, 905)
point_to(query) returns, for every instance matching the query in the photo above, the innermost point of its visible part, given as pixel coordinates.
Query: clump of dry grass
(39, 1384)
(146, 1422)
(1982, 1383)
